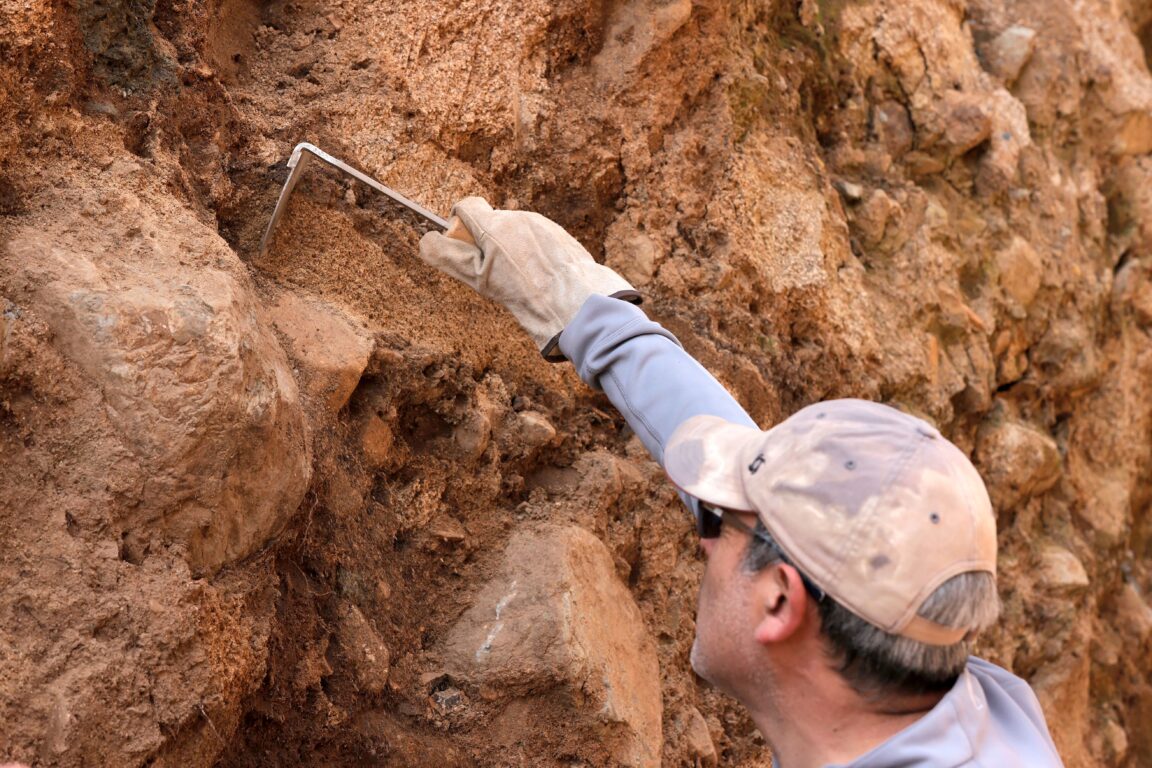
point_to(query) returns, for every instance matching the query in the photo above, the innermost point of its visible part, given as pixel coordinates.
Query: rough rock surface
(194, 432)
(246, 498)
(559, 631)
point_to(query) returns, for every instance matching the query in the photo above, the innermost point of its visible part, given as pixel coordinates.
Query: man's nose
(706, 545)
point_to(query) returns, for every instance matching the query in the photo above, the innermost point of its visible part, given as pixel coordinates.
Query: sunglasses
(710, 519)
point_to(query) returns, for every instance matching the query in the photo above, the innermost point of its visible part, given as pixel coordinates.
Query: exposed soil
(254, 505)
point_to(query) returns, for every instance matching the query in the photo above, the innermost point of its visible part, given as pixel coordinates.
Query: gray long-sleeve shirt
(990, 718)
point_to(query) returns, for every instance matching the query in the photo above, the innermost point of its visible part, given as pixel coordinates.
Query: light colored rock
(1133, 614)
(363, 649)
(634, 30)
(851, 191)
(1015, 460)
(559, 624)
(1121, 93)
(1132, 292)
(871, 218)
(1061, 571)
(1018, 272)
(330, 349)
(1115, 741)
(1009, 137)
(1009, 51)
(1109, 505)
(474, 433)
(892, 127)
(1068, 357)
(534, 429)
(785, 234)
(447, 528)
(699, 740)
(634, 258)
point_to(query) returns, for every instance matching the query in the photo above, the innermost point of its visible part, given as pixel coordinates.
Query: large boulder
(152, 434)
(156, 312)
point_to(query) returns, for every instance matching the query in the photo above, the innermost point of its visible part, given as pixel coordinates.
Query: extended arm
(645, 372)
(551, 284)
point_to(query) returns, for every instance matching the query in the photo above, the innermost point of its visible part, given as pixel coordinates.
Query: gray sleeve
(645, 372)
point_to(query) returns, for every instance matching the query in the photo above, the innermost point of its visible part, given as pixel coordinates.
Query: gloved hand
(525, 262)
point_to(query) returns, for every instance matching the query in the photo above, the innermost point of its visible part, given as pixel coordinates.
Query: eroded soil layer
(322, 506)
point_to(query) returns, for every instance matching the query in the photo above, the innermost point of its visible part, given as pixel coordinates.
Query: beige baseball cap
(873, 505)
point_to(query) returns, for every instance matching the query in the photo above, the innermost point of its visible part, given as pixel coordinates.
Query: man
(851, 549)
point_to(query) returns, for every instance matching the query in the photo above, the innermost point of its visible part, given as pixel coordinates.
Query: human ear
(783, 603)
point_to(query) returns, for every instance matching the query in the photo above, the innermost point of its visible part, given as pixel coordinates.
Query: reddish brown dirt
(247, 498)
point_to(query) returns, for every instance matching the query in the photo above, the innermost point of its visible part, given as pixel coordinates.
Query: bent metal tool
(304, 152)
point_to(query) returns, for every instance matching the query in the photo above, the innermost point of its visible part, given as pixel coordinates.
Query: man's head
(875, 507)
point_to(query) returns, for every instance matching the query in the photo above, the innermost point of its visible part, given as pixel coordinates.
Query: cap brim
(705, 456)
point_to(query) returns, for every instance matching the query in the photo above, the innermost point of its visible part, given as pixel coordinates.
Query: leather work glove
(525, 262)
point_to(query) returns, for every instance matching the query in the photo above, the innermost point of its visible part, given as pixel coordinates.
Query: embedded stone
(329, 349)
(1061, 571)
(1109, 509)
(194, 386)
(871, 217)
(1019, 272)
(967, 121)
(1068, 357)
(699, 740)
(1008, 52)
(851, 191)
(1015, 460)
(1009, 137)
(1133, 613)
(534, 429)
(634, 257)
(892, 127)
(363, 649)
(558, 625)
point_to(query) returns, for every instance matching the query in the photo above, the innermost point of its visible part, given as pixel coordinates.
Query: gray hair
(875, 662)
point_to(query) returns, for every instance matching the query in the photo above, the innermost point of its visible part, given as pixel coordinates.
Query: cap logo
(758, 462)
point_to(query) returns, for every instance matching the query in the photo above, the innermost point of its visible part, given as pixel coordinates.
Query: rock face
(329, 349)
(560, 628)
(153, 435)
(256, 507)
(212, 451)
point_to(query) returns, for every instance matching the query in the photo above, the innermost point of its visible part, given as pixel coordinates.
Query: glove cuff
(551, 350)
